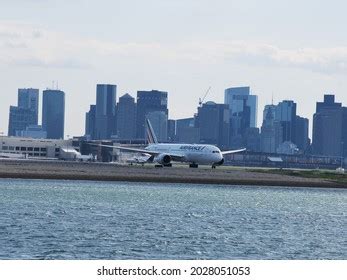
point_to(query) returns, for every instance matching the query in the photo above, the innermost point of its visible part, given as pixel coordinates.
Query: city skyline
(259, 114)
(298, 53)
(228, 125)
(175, 135)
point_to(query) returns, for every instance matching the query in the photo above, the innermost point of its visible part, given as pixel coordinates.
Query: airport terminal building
(16, 147)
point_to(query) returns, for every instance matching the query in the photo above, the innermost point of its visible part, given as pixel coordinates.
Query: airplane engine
(163, 159)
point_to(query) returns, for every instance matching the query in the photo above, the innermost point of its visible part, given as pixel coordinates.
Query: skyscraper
(301, 133)
(126, 117)
(105, 111)
(294, 128)
(149, 101)
(344, 131)
(19, 120)
(238, 98)
(53, 113)
(90, 129)
(243, 113)
(26, 113)
(286, 115)
(271, 131)
(252, 139)
(213, 122)
(187, 131)
(28, 98)
(329, 128)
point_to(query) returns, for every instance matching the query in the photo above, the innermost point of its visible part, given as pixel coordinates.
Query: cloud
(32, 46)
(40, 63)
(323, 60)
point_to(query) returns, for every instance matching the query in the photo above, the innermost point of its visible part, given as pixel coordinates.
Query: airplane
(12, 156)
(163, 154)
(142, 159)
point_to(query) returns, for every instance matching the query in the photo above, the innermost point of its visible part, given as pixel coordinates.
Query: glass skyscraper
(53, 113)
(187, 131)
(90, 122)
(213, 122)
(28, 98)
(105, 111)
(238, 98)
(126, 117)
(19, 120)
(329, 128)
(26, 113)
(149, 101)
(286, 115)
(243, 108)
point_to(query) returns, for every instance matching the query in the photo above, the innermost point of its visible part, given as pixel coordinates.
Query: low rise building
(36, 148)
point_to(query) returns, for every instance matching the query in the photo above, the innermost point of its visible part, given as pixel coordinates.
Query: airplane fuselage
(163, 153)
(198, 154)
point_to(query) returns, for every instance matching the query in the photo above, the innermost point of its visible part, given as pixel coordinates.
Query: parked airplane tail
(151, 137)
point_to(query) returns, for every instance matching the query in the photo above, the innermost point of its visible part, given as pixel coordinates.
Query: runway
(28, 169)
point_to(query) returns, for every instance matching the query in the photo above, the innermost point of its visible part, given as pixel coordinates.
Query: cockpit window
(215, 152)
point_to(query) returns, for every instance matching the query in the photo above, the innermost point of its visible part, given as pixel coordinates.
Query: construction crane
(201, 100)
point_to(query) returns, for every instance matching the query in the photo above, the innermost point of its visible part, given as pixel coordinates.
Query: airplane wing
(233, 152)
(128, 149)
(175, 157)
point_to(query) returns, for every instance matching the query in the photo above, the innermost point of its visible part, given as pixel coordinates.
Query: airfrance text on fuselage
(193, 148)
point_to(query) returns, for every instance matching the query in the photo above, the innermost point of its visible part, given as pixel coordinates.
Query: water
(44, 219)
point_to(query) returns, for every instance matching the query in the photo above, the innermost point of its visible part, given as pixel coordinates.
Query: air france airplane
(164, 154)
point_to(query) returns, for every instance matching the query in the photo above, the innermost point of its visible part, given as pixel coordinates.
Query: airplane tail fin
(151, 137)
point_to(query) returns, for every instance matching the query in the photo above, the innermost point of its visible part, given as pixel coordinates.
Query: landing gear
(213, 167)
(193, 165)
(158, 166)
(168, 165)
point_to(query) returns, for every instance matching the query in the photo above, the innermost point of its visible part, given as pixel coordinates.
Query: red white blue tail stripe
(151, 137)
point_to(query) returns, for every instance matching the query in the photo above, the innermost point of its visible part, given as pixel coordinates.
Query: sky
(293, 50)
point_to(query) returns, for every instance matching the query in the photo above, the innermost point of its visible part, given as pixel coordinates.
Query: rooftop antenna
(272, 100)
(201, 100)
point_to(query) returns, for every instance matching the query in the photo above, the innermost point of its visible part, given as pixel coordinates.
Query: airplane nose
(220, 159)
